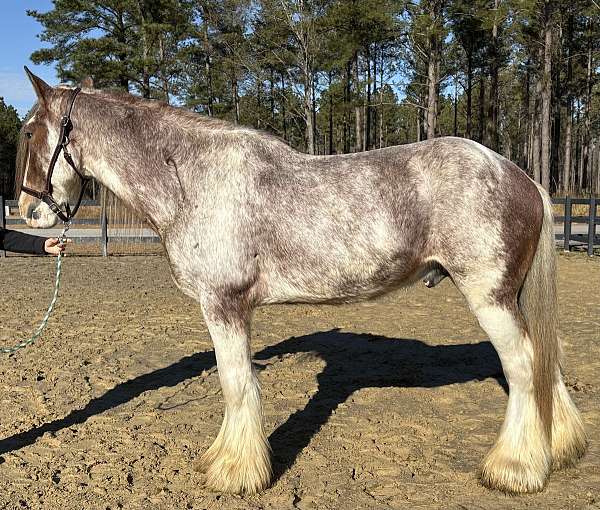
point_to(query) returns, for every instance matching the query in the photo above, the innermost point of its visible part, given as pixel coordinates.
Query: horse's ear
(42, 89)
(87, 83)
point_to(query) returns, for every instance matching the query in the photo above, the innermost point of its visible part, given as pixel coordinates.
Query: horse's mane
(22, 152)
(170, 111)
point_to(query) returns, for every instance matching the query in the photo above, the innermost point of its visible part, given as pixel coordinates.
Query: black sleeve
(11, 240)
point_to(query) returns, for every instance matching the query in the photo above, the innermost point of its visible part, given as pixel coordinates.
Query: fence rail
(111, 233)
(567, 219)
(97, 230)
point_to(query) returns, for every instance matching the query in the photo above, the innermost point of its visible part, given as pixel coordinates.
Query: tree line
(338, 76)
(10, 124)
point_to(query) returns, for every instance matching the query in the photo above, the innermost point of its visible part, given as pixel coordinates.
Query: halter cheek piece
(63, 140)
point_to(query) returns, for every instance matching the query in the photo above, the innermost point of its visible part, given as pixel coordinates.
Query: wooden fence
(592, 219)
(101, 222)
(94, 228)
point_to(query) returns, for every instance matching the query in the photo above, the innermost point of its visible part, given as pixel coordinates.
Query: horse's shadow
(352, 361)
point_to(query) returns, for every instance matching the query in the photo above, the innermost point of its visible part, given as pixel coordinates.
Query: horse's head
(38, 139)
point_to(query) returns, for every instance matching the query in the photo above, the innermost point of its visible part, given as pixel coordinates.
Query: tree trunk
(145, 73)
(208, 70)
(122, 55)
(347, 108)
(382, 107)
(593, 163)
(381, 117)
(308, 109)
(555, 152)
(481, 108)
(432, 91)
(367, 142)
(433, 66)
(582, 160)
(494, 70)
(469, 91)
(164, 78)
(358, 108)
(283, 112)
(236, 100)
(258, 102)
(588, 104)
(314, 115)
(546, 98)
(329, 75)
(145, 52)
(567, 161)
(374, 113)
(455, 106)
(567, 164)
(577, 163)
(272, 96)
(535, 144)
(525, 160)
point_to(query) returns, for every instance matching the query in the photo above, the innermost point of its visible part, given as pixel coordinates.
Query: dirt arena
(385, 404)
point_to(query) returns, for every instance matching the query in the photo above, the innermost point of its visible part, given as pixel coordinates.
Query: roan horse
(247, 221)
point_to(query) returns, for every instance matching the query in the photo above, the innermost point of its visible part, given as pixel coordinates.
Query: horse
(247, 221)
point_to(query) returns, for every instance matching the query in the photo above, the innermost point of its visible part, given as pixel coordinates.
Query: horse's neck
(137, 173)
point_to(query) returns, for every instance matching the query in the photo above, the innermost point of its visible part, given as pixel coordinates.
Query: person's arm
(11, 240)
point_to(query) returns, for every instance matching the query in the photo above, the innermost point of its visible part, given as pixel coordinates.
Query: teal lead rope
(62, 239)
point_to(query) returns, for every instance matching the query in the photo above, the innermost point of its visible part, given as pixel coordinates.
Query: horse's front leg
(239, 460)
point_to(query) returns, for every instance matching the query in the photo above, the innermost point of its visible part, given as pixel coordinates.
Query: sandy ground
(386, 404)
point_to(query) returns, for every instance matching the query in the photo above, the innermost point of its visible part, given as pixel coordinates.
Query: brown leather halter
(63, 140)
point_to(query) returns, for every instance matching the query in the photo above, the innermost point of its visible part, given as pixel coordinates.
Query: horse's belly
(341, 280)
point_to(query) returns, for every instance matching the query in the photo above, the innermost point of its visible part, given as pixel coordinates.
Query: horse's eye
(29, 135)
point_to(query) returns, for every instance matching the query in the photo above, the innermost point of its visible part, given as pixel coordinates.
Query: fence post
(592, 226)
(567, 225)
(2, 221)
(104, 223)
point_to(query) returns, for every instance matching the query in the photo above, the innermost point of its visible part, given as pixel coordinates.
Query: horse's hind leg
(239, 459)
(520, 460)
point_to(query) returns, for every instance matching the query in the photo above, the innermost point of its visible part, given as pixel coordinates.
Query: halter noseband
(63, 140)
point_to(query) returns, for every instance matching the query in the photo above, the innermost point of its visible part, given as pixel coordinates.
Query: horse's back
(358, 225)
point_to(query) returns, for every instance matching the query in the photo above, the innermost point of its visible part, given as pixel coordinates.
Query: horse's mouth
(40, 223)
(41, 219)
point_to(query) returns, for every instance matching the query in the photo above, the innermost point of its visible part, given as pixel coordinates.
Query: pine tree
(10, 124)
(129, 44)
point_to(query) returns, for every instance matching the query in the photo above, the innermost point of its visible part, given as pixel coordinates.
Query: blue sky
(18, 39)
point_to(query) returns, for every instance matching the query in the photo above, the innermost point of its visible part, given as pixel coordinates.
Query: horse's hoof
(235, 478)
(237, 467)
(569, 441)
(513, 477)
(566, 455)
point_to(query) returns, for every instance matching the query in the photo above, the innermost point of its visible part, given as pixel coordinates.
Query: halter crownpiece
(63, 141)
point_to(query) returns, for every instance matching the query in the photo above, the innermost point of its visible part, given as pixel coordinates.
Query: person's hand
(53, 247)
